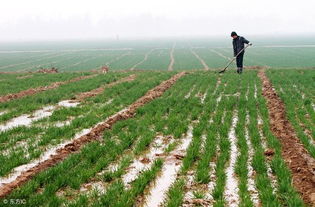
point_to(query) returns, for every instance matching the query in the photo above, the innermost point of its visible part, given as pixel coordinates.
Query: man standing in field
(238, 46)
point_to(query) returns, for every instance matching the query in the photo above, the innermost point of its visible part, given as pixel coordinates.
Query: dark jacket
(238, 44)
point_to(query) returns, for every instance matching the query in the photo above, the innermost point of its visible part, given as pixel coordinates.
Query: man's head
(234, 35)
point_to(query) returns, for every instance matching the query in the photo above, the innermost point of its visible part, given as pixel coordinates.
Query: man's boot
(241, 70)
(238, 70)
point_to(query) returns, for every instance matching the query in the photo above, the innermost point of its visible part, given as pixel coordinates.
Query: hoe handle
(234, 58)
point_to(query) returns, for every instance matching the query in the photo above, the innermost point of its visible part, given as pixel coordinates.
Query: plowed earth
(300, 162)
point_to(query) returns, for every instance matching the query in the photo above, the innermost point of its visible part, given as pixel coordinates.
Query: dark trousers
(239, 60)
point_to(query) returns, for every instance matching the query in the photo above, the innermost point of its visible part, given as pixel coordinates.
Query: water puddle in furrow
(64, 123)
(251, 174)
(3, 112)
(52, 151)
(271, 176)
(144, 162)
(191, 90)
(213, 179)
(169, 172)
(231, 187)
(281, 90)
(68, 121)
(191, 185)
(26, 120)
(204, 97)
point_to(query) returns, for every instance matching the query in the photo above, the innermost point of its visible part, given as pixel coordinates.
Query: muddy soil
(94, 134)
(300, 162)
(33, 91)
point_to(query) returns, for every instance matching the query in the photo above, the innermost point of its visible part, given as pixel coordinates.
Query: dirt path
(144, 59)
(33, 91)
(94, 134)
(170, 66)
(205, 66)
(302, 165)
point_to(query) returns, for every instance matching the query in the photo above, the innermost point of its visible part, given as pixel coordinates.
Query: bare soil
(33, 91)
(94, 134)
(300, 162)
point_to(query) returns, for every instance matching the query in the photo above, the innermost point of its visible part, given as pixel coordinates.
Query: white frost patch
(97, 186)
(3, 112)
(213, 178)
(204, 97)
(109, 101)
(265, 146)
(250, 176)
(281, 90)
(139, 165)
(191, 90)
(247, 92)
(231, 188)
(68, 103)
(219, 99)
(169, 172)
(63, 123)
(26, 120)
(50, 152)
(217, 86)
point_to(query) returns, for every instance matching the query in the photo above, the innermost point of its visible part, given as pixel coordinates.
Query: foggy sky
(22, 20)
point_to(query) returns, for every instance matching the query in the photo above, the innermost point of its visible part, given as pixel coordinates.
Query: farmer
(238, 46)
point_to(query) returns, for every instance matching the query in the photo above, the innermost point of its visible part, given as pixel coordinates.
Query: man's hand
(250, 44)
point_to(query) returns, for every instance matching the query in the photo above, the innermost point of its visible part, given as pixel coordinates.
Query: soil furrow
(94, 134)
(33, 91)
(300, 162)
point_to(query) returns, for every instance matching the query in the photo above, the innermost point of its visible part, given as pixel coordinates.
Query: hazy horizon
(36, 20)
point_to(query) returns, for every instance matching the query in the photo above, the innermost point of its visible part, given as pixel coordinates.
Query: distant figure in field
(104, 69)
(238, 46)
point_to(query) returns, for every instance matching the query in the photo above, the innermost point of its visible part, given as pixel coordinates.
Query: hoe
(222, 71)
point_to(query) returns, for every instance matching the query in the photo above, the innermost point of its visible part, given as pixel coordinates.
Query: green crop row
(111, 150)
(85, 116)
(296, 89)
(12, 84)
